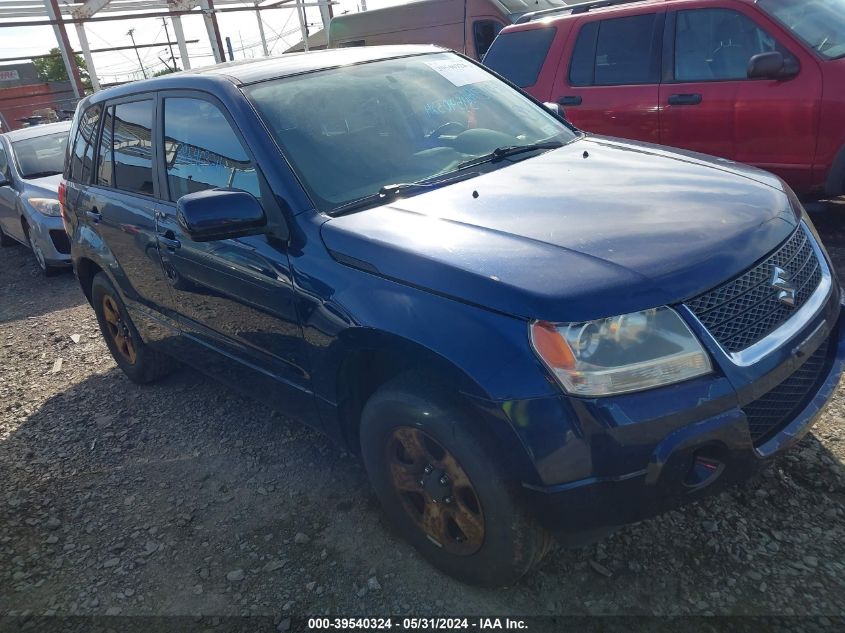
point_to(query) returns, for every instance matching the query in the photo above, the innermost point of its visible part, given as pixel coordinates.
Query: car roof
(244, 72)
(37, 130)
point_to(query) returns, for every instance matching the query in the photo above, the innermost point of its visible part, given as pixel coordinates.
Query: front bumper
(51, 237)
(597, 502)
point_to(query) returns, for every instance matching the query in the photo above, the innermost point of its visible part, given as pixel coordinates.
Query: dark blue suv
(526, 331)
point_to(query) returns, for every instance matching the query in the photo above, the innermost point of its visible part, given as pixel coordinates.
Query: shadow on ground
(26, 292)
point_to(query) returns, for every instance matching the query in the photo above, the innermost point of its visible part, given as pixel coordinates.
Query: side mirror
(220, 214)
(555, 108)
(772, 65)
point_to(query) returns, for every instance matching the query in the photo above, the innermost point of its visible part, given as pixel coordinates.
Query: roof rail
(572, 9)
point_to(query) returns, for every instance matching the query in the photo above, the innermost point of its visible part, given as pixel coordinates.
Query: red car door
(610, 84)
(708, 103)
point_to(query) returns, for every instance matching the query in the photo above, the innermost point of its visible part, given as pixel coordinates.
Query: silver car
(31, 164)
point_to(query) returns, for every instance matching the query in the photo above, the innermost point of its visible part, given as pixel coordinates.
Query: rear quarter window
(519, 55)
(82, 153)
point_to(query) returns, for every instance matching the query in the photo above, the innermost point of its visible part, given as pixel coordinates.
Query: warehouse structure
(75, 13)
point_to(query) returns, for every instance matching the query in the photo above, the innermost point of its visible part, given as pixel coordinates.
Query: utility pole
(169, 44)
(131, 34)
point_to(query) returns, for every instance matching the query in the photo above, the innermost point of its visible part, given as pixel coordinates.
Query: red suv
(756, 81)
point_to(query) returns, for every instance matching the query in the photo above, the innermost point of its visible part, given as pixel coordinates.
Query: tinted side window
(717, 44)
(582, 68)
(132, 147)
(3, 163)
(625, 51)
(105, 160)
(82, 156)
(202, 151)
(484, 32)
(519, 55)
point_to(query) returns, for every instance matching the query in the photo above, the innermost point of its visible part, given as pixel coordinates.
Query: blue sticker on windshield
(462, 101)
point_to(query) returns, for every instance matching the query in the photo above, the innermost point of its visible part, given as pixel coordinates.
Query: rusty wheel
(443, 482)
(139, 361)
(118, 330)
(436, 491)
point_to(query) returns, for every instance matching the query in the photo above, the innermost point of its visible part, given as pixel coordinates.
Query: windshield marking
(459, 72)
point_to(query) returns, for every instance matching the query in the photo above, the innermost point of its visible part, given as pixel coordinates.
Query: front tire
(141, 363)
(443, 488)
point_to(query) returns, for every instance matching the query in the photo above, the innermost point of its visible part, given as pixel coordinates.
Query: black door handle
(685, 99)
(570, 101)
(94, 215)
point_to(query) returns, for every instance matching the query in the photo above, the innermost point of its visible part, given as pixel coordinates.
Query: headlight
(636, 351)
(46, 206)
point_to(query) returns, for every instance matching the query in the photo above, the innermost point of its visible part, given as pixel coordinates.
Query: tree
(165, 71)
(52, 68)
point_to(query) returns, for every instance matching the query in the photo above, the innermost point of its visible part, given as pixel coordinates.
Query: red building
(23, 94)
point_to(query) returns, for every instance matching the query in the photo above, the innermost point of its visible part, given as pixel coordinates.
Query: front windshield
(819, 23)
(41, 156)
(350, 131)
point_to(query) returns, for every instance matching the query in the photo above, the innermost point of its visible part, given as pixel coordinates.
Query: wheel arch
(86, 270)
(367, 359)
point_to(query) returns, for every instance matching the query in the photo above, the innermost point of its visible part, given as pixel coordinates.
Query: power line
(112, 49)
(92, 32)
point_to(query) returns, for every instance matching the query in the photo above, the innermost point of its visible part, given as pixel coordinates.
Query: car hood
(596, 228)
(46, 186)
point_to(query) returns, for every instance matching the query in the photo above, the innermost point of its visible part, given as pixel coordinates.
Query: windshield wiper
(509, 150)
(391, 192)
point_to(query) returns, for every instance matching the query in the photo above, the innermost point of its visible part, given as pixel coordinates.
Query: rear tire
(141, 363)
(413, 438)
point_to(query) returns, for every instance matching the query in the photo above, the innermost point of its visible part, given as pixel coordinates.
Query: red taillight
(63, 208)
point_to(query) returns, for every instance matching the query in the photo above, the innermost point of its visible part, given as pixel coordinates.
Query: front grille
(771, 412)
(60, 241)
(745, 309)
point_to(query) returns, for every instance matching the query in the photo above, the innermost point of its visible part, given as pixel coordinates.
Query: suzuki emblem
(782, 282)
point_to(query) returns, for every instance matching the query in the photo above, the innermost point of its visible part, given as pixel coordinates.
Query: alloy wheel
(118, 330)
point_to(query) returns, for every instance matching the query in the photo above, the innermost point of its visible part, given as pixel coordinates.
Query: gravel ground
(182, 498)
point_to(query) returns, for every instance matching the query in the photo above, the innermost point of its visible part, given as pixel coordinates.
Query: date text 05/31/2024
(417, 624)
